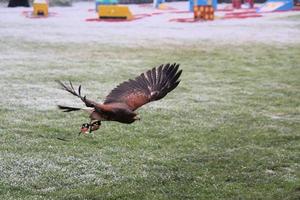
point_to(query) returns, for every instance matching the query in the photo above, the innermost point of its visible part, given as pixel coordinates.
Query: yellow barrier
(114, 12)
(162, 6)
(40, 8)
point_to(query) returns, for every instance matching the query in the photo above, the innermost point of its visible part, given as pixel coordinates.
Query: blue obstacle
(193, 3)
(276, 5)
(105, 2)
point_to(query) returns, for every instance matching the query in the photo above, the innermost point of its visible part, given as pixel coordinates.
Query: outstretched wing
(149, 86)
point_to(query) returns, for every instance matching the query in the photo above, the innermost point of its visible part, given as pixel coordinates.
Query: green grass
(229, 131)
(293, 17)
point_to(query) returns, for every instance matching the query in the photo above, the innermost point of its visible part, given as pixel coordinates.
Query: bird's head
(85, 128)
(136, 118)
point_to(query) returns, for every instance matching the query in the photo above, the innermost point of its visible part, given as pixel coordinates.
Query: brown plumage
(128, 96)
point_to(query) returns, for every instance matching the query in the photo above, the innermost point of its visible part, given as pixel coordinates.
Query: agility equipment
(276, 5)
(241, 15)
(40, 7)
(236, 4)
(213, 3)
(250, 3)
(105, 2)
(204, 12)
(162, 6)
(16, 3)
(158, 3)
(114, 12)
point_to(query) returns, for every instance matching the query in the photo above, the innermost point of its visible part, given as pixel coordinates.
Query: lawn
(229, 131)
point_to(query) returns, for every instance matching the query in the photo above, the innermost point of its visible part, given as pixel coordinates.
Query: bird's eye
(85, 125)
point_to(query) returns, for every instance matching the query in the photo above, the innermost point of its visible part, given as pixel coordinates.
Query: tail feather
(69, 88)
(67, 108)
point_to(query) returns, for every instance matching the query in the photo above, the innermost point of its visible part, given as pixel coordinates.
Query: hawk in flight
(121, 103)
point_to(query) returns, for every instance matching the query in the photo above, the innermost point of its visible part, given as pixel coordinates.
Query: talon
(95, 125)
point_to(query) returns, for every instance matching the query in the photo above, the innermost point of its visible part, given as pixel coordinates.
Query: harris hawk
(121, 103)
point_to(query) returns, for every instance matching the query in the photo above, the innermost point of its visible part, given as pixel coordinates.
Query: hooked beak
(137, 118)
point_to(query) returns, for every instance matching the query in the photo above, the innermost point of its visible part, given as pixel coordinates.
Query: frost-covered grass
(294, 17)
(229, 131)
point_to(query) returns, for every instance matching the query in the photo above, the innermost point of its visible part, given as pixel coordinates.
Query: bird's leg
(90, 128)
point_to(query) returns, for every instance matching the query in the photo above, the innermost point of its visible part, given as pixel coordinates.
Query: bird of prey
(122, 101)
